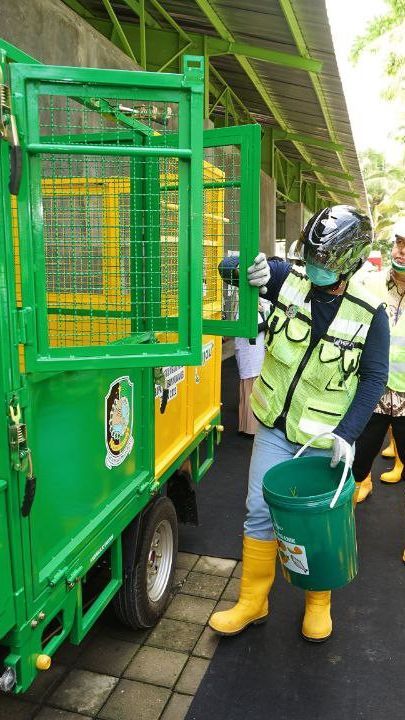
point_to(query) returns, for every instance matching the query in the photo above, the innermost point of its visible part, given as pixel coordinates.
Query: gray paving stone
(175, 635)
(207, 644)
(180, 575)
(156, 666)
(48, 713)
(224, 605)
(11, 708)
(202, 585)
(215, 566)
(115, 629)
(83, 692)
(190, 609)
(192, 675)
(186, 561)
(135, 701)
(67, 654)
(107, 655)
(238, 570)
(44, 683)
(177, 707)
(231, 591)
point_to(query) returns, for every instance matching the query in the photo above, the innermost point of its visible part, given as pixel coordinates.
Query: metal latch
(8, 131)
(160, 379)
(21, 456)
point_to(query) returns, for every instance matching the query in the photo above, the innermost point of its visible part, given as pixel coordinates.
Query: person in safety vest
(389, 286)
(294, 254)
(325, 367)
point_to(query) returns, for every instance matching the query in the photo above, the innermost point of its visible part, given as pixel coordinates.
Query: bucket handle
(346, 467)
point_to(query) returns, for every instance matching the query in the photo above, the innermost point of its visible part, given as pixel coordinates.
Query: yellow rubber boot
(390, 450)
(363, 489)
(317, 623)
(394, 475)
(258, 571)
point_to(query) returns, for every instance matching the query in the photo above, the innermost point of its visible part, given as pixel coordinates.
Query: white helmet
(294, 253)
(398, 229)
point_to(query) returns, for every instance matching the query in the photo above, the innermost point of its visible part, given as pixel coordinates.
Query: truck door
(231, 228)
(99, 295)
(108, 284)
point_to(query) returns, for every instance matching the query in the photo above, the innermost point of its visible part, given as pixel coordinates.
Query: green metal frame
(247, 139)
(28, 81)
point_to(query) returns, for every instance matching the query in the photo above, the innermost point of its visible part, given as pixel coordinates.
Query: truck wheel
(149, 572)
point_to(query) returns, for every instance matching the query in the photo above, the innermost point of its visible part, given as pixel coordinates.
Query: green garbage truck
(116, 207)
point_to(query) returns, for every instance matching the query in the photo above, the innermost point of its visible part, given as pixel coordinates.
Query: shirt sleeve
(373, 372)
(279, 270)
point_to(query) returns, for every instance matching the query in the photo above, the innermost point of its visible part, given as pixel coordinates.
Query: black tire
(142, 598)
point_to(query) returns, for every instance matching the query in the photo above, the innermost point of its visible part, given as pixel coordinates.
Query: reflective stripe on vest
(311, 387)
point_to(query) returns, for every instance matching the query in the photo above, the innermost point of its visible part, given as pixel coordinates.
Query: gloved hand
(341, 450)
(259, 273)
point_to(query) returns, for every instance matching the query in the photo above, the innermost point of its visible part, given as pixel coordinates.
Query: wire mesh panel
(110, 168)
(231, 228)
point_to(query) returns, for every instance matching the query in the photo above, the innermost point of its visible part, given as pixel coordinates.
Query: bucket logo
(119, 403)
(293, 557)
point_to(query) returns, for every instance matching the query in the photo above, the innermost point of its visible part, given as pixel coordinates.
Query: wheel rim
(160, 561)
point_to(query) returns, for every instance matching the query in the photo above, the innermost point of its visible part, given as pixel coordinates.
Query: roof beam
(135, 6)
(327, 171)
(307, 140)
(225, 34)
(299, 39)
(119, 30)
(224, 47)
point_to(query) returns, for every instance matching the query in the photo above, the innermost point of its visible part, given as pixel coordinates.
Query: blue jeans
(270, 448)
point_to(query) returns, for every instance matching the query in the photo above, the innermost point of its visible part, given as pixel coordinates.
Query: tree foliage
(385, 34)
(386, 195)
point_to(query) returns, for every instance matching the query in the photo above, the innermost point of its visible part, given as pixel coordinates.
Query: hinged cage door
(231, 213)
(104, 251)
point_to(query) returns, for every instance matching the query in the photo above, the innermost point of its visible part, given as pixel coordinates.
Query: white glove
(341, 451)
(259, 273)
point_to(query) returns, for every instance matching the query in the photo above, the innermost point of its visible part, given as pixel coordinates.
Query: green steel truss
(221, 103)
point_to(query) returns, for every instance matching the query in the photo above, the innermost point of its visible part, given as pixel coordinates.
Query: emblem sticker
(119, 404)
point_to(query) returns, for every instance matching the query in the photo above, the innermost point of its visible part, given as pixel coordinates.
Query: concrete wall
(52, 33)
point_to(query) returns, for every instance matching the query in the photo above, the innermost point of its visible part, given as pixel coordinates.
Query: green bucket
(311, 506)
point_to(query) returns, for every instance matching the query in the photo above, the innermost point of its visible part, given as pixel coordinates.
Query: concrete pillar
(294, 222)
(267, 214)
(54, 34)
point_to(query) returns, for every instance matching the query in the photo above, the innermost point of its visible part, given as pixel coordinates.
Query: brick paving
(123, 674)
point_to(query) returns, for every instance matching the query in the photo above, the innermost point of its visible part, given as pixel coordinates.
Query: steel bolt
(34, 623)
(41, 616)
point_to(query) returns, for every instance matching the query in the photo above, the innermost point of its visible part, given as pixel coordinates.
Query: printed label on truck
(174, 375)
(119, 413)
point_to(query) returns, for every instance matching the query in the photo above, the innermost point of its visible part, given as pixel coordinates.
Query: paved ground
(121, 674)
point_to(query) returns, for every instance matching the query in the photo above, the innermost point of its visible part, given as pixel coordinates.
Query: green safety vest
(377, 284)
(311, 387)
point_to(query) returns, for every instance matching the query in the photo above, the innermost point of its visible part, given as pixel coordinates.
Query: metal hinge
(8, 131)
(22, 325)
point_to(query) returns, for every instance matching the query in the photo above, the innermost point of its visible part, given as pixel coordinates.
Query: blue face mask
(321, 276)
